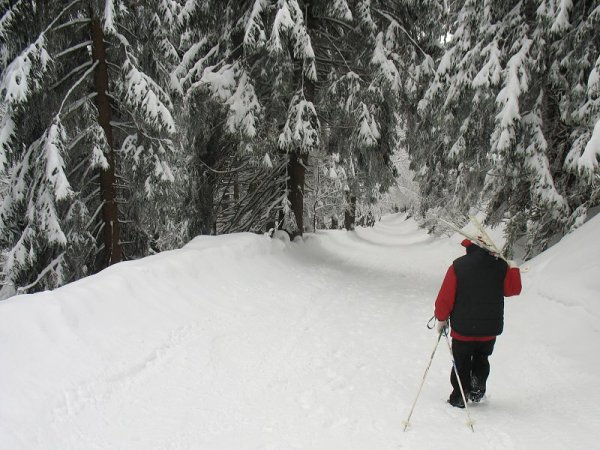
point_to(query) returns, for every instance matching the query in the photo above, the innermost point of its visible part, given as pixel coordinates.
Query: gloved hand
(441, 326)
(512, 264)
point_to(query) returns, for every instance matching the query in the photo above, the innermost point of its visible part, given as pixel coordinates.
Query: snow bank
(241, 341)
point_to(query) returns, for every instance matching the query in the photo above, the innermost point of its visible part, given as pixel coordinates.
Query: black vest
(479, 306)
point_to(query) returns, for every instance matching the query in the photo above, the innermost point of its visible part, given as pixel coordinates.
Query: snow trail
(238, 342)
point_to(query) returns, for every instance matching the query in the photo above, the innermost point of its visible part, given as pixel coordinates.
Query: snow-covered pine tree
(32, 235)
(221, 116)
(151, 167)
(511, 113)
(375, 59)
(290, 44)
(64, 102)
(573, 91)
(241, 75)
(287, 68)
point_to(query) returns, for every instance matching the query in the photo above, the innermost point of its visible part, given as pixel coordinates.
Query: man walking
(472, 297)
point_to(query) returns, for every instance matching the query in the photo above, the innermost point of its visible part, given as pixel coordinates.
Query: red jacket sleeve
(512, 282)
(445, 299)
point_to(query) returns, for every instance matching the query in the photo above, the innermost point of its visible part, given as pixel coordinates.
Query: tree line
(128, 127)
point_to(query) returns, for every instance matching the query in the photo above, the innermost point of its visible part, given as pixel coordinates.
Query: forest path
(317, 345)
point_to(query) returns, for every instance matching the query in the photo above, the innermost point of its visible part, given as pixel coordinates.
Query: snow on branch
(516, 83)
(20, 78)
(231, 86)
(289, 22)
(149, 156)
(490, 73)
(143, 94)
(395, 25)
(386, 67)
(54, 267)
(561, 21)
(99, 147)
(537, 161)
(585, 152)
(593, 84)
(340, 10)
(301, 129)
(183, 74)
(187, 11)
(9, 17)
(440, 80)
(368, 132)
(83, 77)
(254, 30)
(39, 179)
(109, 17)
(169, 10)
(244, 108)
(364, 16)
(52, 146)
(7, 132)
(345, 89)
(162, 171)
(20, 255)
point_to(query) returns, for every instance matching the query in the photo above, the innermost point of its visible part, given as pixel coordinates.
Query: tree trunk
(297, 160)
(207, 184)
(295, 185)
(334, 223)
(350, 213)
(110, 212)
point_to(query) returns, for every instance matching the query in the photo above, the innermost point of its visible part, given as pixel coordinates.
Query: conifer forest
(128, 127)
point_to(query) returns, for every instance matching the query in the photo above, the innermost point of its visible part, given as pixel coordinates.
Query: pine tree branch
(70, 74)
(74, 48)
(80, 21)
(8, 14)
(86, 74)
(128, 31)
(77, 167)
(92, 194)
(394, 20)
(78, 138)
(326, 35)
(114, 123)
(336, 21)
(228, 171)
(47, 269)
(77, 104)
(59, 15)
(93, 217)
(114, 66)
(121, 126)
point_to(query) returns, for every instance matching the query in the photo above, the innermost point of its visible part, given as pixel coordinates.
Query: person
(472, 298)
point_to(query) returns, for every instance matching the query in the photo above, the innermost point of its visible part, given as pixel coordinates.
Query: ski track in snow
(313, 345)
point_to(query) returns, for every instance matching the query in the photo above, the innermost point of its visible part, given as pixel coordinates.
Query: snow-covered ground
(243, 342)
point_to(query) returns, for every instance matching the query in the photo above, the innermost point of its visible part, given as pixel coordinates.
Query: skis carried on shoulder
(482, 240)
(486, 238)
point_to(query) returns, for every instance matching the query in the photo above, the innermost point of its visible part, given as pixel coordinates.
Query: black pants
(471, 358)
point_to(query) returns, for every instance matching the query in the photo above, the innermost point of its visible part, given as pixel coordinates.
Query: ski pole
(407, 421)
(462, 392)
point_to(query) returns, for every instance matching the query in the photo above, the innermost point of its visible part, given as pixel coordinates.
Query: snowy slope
(240, 341)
